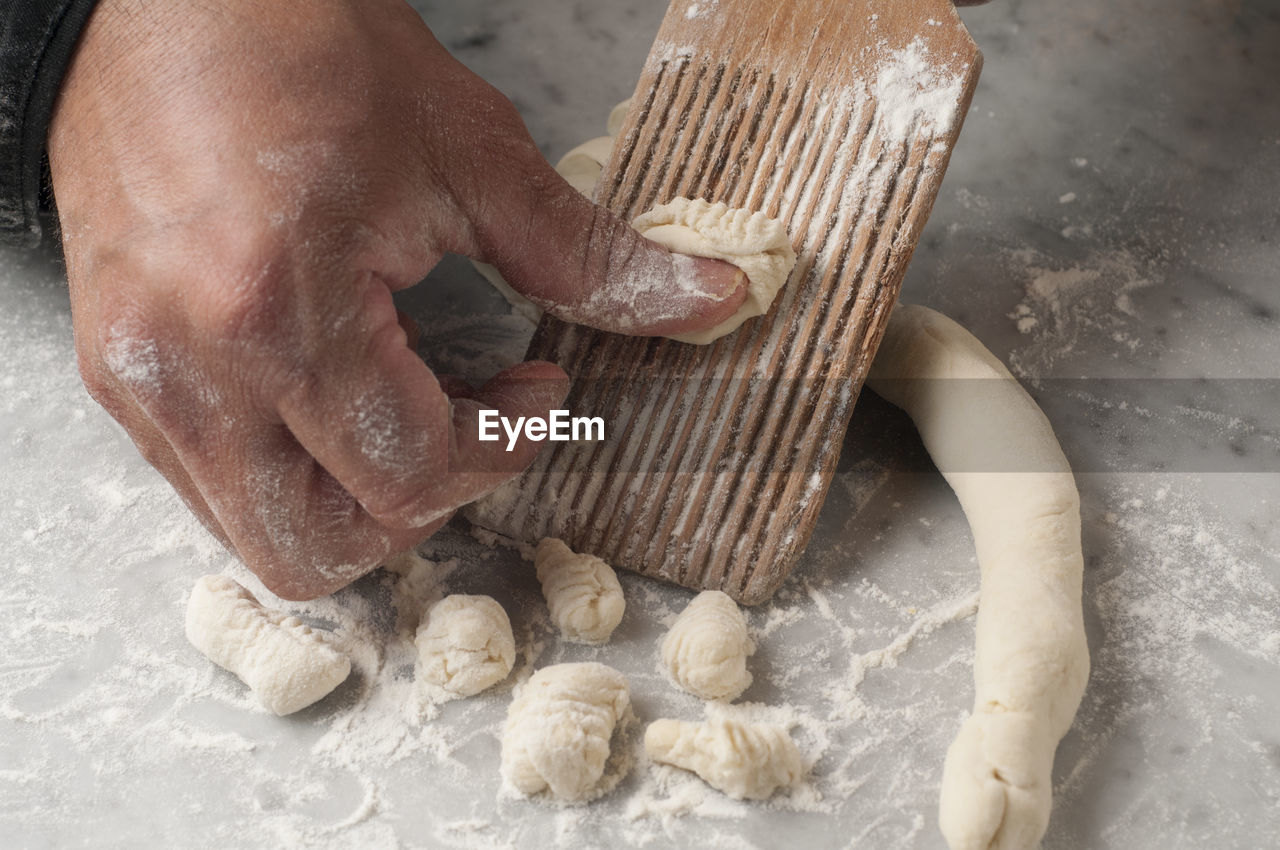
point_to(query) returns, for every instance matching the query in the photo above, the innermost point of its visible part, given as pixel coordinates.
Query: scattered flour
(115, 729)
(113, 725)
(1063, 306)
(702, 9)
(910, 88)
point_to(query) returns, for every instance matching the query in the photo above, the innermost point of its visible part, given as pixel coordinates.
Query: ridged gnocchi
(465, 644)
(286, 664)
(582, 592)
(559, 726)
(707, 647)
(744, 760)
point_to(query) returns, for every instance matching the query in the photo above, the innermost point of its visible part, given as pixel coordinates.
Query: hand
(241, 187)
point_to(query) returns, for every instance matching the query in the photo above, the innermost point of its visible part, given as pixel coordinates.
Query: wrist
(39, 41)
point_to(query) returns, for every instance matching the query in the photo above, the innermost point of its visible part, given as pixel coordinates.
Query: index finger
(375, 417)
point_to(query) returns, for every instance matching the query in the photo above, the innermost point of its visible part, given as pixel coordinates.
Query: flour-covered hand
(241, 188)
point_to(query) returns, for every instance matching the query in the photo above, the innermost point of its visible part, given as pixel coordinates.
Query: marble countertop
(1108, 226)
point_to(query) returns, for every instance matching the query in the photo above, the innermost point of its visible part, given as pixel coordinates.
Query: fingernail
(534, 382)
(711, 278)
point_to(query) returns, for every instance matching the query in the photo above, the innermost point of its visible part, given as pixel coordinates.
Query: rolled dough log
(998, 452)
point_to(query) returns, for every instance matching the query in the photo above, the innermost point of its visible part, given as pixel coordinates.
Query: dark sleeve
(36, 44)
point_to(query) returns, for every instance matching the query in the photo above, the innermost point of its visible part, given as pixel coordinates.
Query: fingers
(293, 523)
(572, 258)
(367, 457)
(373, 415)
(249, 481)
(525, 391)
(583, 264)
(287, 490)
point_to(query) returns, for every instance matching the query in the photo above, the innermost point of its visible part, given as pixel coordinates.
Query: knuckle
(119, 341)
(300, 384)
(124, 350)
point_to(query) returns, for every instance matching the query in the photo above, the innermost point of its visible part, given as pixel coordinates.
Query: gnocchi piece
(582, 592)
(744, 760)
(286, 664)
(465, 644)
(559, 726)
(706, 650)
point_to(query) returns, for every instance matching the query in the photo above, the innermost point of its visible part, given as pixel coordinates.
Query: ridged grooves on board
(716, 481)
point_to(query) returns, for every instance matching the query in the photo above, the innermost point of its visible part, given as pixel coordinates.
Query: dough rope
(558, 729)
(286, 664)
(582, 592)
(744, 760)
(998, 452)
(707, 647)
(755, 243)
(465, 644)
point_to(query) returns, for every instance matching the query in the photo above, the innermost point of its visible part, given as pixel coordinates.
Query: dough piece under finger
(752, 241)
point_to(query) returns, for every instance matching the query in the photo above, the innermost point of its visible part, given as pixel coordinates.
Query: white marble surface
(1108, 226)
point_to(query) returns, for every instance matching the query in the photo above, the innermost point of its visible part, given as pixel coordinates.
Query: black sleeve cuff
(36, 46)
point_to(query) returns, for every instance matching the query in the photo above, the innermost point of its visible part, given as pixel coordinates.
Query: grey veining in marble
(1108, 226)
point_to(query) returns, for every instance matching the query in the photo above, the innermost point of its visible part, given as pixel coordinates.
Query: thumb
(581, 263)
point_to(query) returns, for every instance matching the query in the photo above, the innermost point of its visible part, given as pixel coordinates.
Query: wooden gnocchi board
(836, 116)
